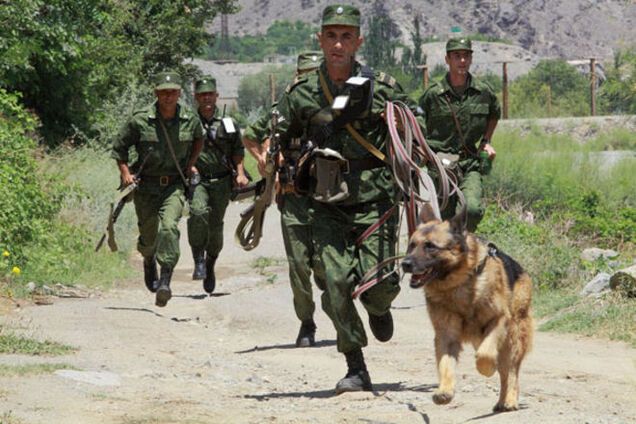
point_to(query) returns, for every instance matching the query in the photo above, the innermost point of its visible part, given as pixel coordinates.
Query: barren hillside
(570, 29)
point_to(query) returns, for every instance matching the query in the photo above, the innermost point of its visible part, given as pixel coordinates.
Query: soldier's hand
(191, 171)
(490, 150)
(127, 178)
(241, 180)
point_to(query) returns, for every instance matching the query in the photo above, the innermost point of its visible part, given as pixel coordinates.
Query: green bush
(562, 181)
(552, 88)
(25, 207)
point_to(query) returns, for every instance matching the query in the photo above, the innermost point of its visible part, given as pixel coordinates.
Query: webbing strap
(354, 133)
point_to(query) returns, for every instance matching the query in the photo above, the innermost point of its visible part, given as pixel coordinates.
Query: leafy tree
(380, 42)
(552, 88)
(617, 94)
(67, 57)
(254, 90)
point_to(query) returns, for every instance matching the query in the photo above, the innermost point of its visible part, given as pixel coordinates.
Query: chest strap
(354, 133)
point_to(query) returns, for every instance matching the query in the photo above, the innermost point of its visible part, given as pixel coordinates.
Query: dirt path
(230, 359)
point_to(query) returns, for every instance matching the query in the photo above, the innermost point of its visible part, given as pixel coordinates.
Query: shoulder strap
(355, 134)
(174, 156)
(458, 126)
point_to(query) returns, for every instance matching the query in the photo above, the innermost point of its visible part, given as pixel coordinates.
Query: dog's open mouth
(418, 280)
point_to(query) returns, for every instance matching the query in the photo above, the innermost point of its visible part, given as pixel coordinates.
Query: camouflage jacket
(143, 132)
(473, 110)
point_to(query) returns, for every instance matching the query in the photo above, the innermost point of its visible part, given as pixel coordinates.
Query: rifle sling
(174, 156)
(459, 127)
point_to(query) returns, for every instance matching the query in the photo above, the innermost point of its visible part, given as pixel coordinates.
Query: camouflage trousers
(295, 221)
(341, 263)
(159, 210)
(205, 225)
(471, 186)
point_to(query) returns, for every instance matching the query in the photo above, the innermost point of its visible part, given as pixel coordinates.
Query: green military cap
(205, 84)
(458, 44)
(168, 80)
(341, 14)
(308, 60)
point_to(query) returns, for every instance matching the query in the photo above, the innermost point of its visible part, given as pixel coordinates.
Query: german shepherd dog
(474, 294)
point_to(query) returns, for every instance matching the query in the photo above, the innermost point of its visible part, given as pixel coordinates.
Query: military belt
(161, 180)
(215, 176)
(371, 162)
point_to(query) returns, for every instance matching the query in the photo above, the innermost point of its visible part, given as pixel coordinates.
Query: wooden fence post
(425, 76)
(593, 86)
(505, 90)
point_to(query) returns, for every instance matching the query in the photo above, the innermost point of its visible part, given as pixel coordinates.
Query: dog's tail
(522, 324)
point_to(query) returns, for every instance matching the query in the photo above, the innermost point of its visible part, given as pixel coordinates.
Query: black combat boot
(306, 334)
(150, 274)
(199, 264)
(209, 282)
(163, 291)
(382, 326)
(357, 378)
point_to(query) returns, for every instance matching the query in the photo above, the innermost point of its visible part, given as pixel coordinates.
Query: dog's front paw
(505, 407)
(486, 365)
(442, 398)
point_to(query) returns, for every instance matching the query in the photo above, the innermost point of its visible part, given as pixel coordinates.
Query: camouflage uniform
(474, 108)
(339, 262)
(159, 200)
(295, 221)
(212, 195)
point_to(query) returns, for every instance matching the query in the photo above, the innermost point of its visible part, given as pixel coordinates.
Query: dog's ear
(426, 214)
(458, 224)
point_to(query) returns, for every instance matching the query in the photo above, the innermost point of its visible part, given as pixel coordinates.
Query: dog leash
(406, 154)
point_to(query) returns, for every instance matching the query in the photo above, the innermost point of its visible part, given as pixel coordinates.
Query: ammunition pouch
(328, 172)
(451, 163)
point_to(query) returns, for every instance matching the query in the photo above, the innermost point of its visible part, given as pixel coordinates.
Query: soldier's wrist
(484, 141)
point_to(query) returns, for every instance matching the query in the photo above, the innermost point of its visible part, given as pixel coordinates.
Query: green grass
(14, 344)
(575, 206)
(67, 254)
(32, 369)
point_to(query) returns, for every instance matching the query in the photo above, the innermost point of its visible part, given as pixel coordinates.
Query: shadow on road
(378, 390)
(117, 308)
(320, 343)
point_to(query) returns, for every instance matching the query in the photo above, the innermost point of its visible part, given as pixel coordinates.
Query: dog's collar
(492, 252)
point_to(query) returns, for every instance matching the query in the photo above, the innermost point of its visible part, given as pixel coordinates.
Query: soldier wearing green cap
(461, 113)
(220, 165)
(350, 188)
(167, 137)
(295, 216)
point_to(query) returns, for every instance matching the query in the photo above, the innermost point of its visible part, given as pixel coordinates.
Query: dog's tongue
(417, 280)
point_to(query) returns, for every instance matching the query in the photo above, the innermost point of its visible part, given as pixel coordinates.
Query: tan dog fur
(469, 300)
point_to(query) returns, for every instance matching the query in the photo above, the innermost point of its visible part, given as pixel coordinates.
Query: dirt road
(230, 358)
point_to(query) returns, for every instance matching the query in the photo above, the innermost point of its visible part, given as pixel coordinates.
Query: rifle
(250, 228)
(123, 197)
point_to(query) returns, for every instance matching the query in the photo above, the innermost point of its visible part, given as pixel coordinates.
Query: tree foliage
(552, 88)
(67, 56)
(381, 38)
(618, 93)
(282, 37)
(254, 90)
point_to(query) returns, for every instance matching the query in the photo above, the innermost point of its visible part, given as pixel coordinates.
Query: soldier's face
(206, 101)
(459, 61)
(339, 44)
(167, 98)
